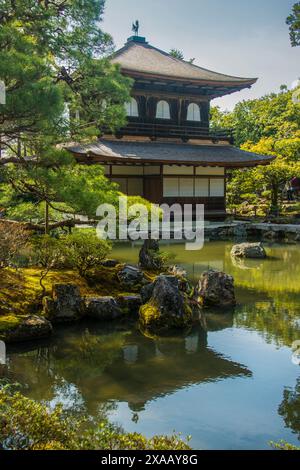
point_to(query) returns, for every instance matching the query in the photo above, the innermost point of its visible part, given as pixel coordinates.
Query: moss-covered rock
(20, 291)
(23, 328)
(131, 278)
(249, 250)
(103, 308)
(215, 289)
(149, 256)
(113, 308)
(130, 305)
(65, 305)
(167, 308)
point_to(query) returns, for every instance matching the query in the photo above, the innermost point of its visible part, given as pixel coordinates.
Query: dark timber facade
(167, 153)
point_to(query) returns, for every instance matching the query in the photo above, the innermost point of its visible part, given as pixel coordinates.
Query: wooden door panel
(153, 188)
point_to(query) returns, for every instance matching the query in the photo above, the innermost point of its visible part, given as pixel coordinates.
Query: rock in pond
(130, 277)
(215, 289)
(25, 328)
(110, 308)
(167, 308)
(149, 258)
(65, 305)
(103, 308)
(249, 250)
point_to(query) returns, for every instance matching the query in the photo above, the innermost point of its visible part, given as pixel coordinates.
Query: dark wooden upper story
(171, 97)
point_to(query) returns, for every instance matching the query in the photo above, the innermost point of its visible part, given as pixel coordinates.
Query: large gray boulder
(110, 308)
(65, 305)
(27, 328)
(147, 290)
(130, 277)
(249, 250)
(166, 308)
(215, 289)
(103, 308)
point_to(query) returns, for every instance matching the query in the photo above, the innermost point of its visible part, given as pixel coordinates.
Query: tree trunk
(274, 199)
(46, 218)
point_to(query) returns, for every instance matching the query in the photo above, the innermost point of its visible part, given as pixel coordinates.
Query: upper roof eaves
(139, 57)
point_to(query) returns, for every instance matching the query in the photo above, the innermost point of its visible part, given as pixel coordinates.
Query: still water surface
(233, 386)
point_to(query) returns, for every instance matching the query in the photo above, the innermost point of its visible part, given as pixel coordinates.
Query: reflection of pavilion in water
(121, 366)
(170, 364)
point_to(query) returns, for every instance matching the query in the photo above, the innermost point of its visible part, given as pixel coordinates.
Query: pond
(232, 385)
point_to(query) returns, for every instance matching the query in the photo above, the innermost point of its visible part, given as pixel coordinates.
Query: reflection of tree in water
(216, 322)
(290, 408)
(277, 321)
(278, 275)
(269, 293)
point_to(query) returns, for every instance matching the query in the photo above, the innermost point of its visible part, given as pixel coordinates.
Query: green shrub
(48, 253)
(151, 208)
(28, 425)
(13, 238)
(84, 250)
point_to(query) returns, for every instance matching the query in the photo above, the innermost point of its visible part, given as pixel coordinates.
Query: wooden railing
(154, 130)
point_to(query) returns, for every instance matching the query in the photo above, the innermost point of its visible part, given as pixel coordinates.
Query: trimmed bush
(84, 250)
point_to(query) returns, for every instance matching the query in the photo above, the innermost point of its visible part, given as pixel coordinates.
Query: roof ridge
(186, 62)
(132, 44)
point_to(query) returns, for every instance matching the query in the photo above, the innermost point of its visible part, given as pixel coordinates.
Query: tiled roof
(161, 152)
(141, 57)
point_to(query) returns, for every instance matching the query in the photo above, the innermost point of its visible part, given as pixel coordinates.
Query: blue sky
(240, 37)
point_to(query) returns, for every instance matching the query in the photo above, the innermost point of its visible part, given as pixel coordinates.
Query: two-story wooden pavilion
(167, 152)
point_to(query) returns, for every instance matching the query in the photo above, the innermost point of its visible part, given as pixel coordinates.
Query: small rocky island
(156, 296)
(249, 250)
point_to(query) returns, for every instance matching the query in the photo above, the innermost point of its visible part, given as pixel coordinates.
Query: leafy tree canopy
(60, 88)
(293, 21)
(52, 53)
(268, 126)
(275, 115)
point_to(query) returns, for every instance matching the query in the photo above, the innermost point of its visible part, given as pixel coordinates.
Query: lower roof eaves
(118, 151)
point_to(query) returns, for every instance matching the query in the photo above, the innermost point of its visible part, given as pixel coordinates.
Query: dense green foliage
(294, 23)
(60, 88)
(274, 116)
(52, 53)
(268, 126)
(56, 430)
(68, 190)
(80, 251)
(12, 239)
(84, 250)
